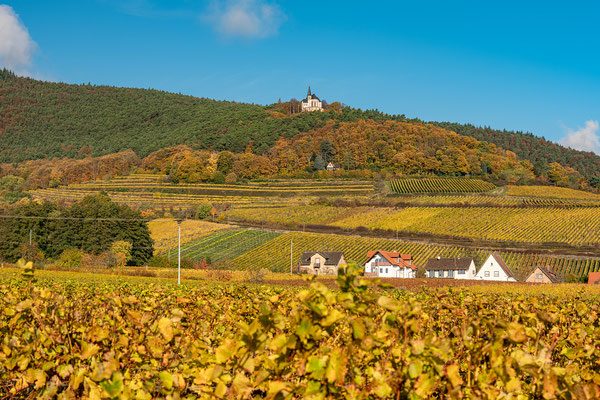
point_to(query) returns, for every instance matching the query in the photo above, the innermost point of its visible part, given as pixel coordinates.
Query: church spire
(309, 93)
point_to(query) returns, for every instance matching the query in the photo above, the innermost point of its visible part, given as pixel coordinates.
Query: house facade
(321, 262)
(495, 269)
(594, 278)
(389, 264)
(542, 275)
(311, 102)
(451, 268)
(333, 167)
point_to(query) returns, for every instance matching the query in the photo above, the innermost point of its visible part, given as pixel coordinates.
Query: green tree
(225, 162)
(327, 150)
(319, 163)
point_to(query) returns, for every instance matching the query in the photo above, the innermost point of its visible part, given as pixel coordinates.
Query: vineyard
(225, 245)
(150, 191)
(551, 192)
(577, 226)
(164, 232)
(93, 338)
(439, 185)
(274, 255)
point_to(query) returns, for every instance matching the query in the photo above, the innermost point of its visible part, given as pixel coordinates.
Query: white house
(452, 268)
(495, 269)
(311, 102)
(333, 167)
(389, 264)
(321, 262)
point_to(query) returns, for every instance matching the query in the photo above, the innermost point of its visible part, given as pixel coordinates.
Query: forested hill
(539, 151)
(40, 120)
(46, 120)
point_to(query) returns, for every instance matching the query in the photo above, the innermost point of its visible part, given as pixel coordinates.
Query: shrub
(231, 178)
(70, 258)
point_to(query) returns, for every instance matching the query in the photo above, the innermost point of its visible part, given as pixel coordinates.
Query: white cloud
(585, 138)
(16, 46)
(246, 18)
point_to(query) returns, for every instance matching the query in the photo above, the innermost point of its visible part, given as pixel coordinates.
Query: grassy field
(165, 232)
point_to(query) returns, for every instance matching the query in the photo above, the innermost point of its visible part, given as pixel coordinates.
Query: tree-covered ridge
(538, 150)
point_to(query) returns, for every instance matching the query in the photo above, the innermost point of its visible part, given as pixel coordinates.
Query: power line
(74, 218)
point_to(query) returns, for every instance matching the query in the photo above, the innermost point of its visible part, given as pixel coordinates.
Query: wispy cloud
(585, 138)
(16, 46)
(245, 18)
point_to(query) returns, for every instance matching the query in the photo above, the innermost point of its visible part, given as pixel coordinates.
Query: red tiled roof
(394, 257)
(593, 277)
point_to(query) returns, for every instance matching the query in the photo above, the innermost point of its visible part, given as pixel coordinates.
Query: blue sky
(531, 66)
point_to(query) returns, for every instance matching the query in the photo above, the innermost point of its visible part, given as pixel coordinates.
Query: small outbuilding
(321, 262)
(542, 274)
(452, 268)
(495, 269)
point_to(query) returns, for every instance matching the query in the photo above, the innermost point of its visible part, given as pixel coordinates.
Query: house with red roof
(594, 278)
(389, 264)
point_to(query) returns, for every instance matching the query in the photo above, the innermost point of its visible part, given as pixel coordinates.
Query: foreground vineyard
(75, 339)
(271, 254)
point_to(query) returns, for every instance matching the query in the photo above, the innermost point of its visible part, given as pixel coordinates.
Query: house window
(386, 270)
(487, 273)
(496, 274)
(461, 271)
(441, 274)
(538, 276)
(450, 273)
(317, 262)
(381, 270)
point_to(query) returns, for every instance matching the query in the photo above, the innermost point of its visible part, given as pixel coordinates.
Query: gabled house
(389, 264)
(594, 278)
(542, 275)
(452, 268)
(495, 269)
(333, 167)
(321, 262)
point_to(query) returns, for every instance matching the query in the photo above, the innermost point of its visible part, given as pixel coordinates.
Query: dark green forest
(44, 120)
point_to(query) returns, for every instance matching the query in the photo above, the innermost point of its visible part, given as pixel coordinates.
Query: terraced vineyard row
(226, 245)
(439, 185)
(490, 200)
(155, 199)
(551, 192)
(298, 215)
(577, 226)
(274, 255)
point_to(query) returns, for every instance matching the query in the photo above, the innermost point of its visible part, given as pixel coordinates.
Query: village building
(389, 264)
(321, 262)
(451, 268)
(495, 269)
(542, 275)
(311, 102)
(594, 278)
(333, 167)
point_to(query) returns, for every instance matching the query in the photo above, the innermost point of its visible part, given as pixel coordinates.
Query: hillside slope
(42, 120)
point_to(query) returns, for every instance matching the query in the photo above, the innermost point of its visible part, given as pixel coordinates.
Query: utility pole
(179, 251)
(30, 234)
(291, 256)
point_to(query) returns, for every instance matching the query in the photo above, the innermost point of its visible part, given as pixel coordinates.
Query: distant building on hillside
(333, 167)
(389, 264)
(321, 262)
(594, 278)
(542, 275)
(453, 268)
(311, 102)
(495, 269)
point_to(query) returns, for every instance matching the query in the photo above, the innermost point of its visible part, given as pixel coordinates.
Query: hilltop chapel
(311, 102)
